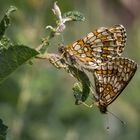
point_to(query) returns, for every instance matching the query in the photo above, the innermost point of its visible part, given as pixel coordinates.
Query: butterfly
(97, 47)
(111, 79)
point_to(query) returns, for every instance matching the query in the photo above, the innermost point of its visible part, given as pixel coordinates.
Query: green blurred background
(36, 102)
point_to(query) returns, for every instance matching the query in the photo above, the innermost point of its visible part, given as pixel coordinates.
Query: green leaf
(74, 15)
(4, 43)
(13, 57)
(77, 92)
(3, 130)
(81, 93)
(5, 22)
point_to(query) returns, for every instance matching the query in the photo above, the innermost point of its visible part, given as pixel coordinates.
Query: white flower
(56, 11)
(61, 21)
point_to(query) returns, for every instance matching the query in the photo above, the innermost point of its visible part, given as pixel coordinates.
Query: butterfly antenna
(89, 106)
(107, 127)
(124, 123)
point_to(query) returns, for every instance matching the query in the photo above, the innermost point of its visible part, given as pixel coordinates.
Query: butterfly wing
(120, 34)
(111, 79)
(97, 47)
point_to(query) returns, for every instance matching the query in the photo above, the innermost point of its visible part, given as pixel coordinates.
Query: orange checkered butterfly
(111, 79)
(97, 47)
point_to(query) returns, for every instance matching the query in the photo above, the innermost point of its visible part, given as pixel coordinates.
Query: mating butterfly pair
(99, 52)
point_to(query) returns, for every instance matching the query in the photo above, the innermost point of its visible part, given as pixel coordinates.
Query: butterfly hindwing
(111, 79)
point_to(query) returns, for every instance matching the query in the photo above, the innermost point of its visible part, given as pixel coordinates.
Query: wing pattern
(99, 46)
(111, 79)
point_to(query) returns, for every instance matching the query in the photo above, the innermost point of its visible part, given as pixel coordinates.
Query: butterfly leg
(89, 106)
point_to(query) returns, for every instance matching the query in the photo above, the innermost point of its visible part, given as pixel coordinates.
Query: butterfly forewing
(99, 46)
(120, 34)
(111, 79)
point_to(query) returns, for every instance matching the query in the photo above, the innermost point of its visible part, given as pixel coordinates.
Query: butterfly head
(67, 54)
(61, 48)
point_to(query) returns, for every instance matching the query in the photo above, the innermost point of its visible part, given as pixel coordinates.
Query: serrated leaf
(13, 57)
(3, 130)
(5, 22)
(74, 15)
